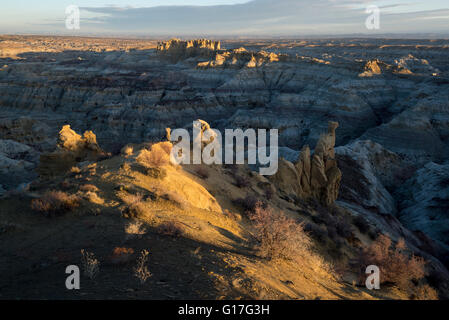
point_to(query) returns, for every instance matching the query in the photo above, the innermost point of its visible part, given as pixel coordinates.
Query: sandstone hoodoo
(71, 148)
(313, 176)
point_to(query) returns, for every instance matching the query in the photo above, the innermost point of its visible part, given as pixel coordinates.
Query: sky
(224, 17)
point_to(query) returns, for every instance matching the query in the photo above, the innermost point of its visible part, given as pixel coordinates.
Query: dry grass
(55, 202)
(141, 270)
(135, 205)
(89, 187)
(92, 197)
(90, 264)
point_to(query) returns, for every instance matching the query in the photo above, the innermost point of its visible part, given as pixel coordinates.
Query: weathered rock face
(71, 149)
(315, 176)
(424, 202)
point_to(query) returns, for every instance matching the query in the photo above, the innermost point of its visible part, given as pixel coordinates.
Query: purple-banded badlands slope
(390, 98)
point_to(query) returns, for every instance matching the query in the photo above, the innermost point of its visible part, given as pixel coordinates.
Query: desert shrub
(361, 224)
(232, 215)
(127, 150)
(155, 157)
(141, 271)
(202, 172)
(278, 236)
(134, 229)
(90, 264)
(424, 292)
(55, 202)
(396, 266)
(171, 229)
(242, 181)
(135, 206)
(89, 187)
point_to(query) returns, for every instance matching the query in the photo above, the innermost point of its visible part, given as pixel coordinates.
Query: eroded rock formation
(71, 149)
(313, 176)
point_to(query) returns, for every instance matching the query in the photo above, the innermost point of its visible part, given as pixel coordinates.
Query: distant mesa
(180, 49)
(176, 50)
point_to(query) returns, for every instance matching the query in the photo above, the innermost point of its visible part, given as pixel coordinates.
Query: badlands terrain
(364, 140)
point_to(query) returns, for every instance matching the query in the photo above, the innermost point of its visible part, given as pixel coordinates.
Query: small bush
(155, 157)
(278, 235)
(141, 270)
(91, 265)
(202, 173)
(424, 292)
(135, 208)
(134, 229)
(55, 202)
(171, 229)
(395, 265)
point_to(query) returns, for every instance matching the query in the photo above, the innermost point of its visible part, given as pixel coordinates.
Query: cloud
(263, 17)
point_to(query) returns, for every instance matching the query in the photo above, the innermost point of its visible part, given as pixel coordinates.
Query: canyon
(388, 97)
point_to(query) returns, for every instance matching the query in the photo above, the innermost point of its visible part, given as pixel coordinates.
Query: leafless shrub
(90, 264)
(155, 157)
(135, 206)
(134, 229)
(170, 228)
(278, 235)
(424, 292)
(141, 270)
(55, 202)
(202, 173)
(396, 266)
